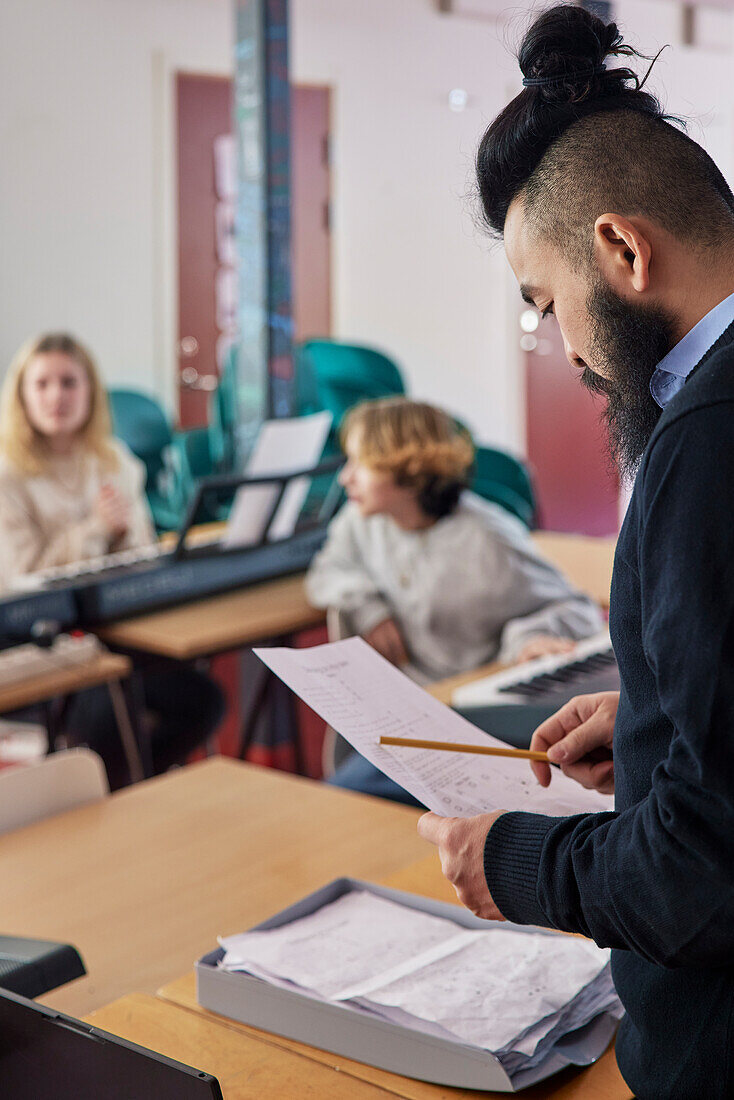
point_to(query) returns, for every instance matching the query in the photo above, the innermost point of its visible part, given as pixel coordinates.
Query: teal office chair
(335, 376)
(140, 422)
(223, 417)
(504, 480)
(191, 459)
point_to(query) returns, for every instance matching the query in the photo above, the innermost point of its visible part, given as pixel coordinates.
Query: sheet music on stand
(283, 447)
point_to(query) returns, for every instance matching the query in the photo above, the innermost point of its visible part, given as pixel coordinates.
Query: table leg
(273, 698)
(126, 731)
(255, 709)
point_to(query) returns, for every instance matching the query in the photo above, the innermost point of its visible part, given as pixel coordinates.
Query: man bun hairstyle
(584, 137)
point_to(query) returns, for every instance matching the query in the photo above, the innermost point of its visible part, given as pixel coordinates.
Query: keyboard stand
(130, 743)
(266, 698)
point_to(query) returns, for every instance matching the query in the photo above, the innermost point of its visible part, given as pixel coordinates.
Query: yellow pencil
(450, 746)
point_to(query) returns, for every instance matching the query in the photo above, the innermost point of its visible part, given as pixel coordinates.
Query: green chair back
(335, 376)
(191, 460)
(140, 422)
(504, 480)
(223, 416)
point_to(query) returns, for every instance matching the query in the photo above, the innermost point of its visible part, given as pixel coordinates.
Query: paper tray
(378, 1042)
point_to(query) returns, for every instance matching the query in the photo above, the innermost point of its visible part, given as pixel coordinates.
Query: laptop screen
(46, 1054)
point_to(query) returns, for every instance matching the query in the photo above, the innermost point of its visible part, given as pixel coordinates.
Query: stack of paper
(514, 993)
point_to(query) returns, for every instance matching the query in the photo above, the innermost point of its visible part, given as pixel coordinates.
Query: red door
(576, 484)
(310, 233)
(207, 298)
(204, 114)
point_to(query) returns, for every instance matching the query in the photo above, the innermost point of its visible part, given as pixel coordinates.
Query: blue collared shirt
(672, 371)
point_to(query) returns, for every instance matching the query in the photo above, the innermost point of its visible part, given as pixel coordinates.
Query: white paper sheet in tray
(387, 1044)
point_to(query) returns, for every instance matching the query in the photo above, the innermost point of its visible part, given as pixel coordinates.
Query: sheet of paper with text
(283, 447)
(364, 697)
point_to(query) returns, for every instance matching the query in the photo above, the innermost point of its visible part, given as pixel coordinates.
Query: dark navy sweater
(655, 879)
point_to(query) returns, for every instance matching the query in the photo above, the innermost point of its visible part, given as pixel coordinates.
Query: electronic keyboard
(36, 616)
(590, 667)
(108, 589)
(132, 582)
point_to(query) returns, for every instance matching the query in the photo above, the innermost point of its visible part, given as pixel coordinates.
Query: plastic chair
(31, 792)
(200, 452)
(191, 459)
(504, 480)
(223, 416)
(140, 422)
(335, 376)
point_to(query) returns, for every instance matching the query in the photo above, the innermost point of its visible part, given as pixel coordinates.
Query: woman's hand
(113, 510)
(543, 645)
(579, 739)
(388, 641)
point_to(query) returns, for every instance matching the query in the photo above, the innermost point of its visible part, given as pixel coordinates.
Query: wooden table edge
(105, 668)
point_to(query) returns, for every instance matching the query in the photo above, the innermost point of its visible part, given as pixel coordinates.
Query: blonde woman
(438, 580)
(69, 491)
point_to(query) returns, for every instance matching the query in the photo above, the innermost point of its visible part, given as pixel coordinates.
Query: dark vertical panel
(262, 118)
(251, 222)
(277, 129)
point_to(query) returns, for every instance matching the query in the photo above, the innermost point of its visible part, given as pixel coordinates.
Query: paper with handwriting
(364, 697)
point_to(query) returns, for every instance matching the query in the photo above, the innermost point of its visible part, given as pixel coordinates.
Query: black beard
(627, 343)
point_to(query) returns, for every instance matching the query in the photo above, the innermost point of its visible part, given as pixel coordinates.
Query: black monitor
(33, 967)
(45, 1055)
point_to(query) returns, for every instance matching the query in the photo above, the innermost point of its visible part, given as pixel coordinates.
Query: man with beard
(622, 226)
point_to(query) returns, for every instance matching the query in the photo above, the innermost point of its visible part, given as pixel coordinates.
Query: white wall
(412, 274)
(693, 83)
(85, 131)
(87, 212)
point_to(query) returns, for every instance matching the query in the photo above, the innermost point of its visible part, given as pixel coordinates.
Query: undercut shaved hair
(581, 140)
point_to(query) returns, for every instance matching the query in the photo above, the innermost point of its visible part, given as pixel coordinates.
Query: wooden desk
(102, 669)
(249, 615)
(253, 1065)
(444, 690)
(228, 621)
(601, 1081)
(143, 882)
(586, 561)
(248, 1067)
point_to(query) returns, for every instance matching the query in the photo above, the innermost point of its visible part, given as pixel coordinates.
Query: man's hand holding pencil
(578, 738)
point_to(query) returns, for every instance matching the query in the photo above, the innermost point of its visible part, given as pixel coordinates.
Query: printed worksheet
(369, 938)
(364, 697)
(491, 989)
